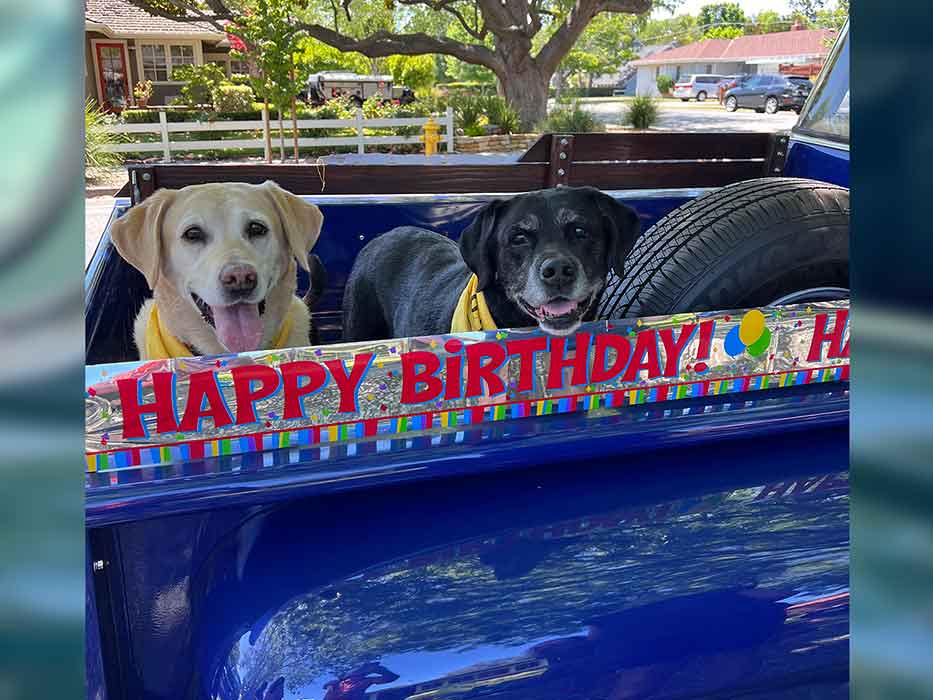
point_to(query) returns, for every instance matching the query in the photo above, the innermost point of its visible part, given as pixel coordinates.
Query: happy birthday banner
(187, 409)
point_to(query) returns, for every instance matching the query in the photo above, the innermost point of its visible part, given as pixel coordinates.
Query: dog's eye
(579, 232)
(518, 239)
(256, 229)
(193, 235)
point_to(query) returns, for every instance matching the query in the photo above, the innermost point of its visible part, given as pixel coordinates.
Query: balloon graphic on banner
(750, 335)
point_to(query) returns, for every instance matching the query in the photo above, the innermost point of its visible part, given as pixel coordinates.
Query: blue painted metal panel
(246, 480)
(817, 162)
(717, 569)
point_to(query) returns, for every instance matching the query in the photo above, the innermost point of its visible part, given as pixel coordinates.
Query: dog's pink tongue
(559, 308)
(239, 327)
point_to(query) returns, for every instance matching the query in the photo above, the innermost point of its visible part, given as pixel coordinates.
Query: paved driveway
(692, 116)
(96, 213)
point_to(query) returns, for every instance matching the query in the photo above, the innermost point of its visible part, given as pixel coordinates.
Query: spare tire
(748, 244)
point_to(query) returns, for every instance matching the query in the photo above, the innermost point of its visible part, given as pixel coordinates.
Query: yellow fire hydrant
(431, 136)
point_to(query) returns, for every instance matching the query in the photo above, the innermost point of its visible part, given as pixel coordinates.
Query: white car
(699, 87)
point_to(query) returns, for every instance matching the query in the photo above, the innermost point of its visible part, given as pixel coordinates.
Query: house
(124, 45)
(780, 52)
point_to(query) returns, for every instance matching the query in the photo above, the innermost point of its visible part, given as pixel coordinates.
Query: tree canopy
(521, 41)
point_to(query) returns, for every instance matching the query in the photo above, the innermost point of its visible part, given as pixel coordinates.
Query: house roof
(802, 43)
(122, 18)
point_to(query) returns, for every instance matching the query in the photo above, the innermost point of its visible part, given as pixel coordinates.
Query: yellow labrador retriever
(220, 260)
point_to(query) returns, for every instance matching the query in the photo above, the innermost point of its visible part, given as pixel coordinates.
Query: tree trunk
(268, 131)
(527, 92)
(559, 87)
(295, 124)
(281, 136)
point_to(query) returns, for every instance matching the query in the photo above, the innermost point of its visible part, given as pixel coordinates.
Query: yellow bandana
(161, 345)
(471, 312)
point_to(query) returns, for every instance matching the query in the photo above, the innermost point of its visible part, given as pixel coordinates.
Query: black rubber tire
(684, 99)
(744, 245)
(732, 103)
(701, 96)
(772, 106)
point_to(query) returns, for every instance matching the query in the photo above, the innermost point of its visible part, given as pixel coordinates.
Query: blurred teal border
(892, 350)
(41, 337)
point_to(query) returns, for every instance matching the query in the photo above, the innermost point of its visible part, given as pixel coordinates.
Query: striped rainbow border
(156, 455)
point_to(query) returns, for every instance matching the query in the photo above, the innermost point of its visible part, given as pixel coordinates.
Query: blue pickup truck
(680, 535)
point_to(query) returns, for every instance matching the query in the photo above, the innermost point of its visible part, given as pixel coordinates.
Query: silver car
(699, 87)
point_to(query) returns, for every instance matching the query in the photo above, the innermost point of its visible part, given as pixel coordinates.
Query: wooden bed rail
(610, 161)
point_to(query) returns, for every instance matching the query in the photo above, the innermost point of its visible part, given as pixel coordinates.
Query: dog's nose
(558, 271)
(238, 278)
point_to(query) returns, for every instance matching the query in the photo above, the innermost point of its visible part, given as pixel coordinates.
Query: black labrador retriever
(540, 257)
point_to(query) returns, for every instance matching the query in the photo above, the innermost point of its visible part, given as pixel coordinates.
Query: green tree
(521, 41)
(416, 72)
(808, 8)
(767, 22)
(835, 17)
(273, 43)
(683, 29)
(316, 56)
(602, 48)
(724, 14)
(723, 33)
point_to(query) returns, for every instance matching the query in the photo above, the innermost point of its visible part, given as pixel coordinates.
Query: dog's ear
(301, 221)
(476, 244)
(622, 227)
(137, 234)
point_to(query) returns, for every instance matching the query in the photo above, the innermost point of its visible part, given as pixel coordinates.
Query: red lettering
(293, 393)
(162, 406)
(480, 374)
(834, 338)
(412, 376)
(555, 374)
(605, 342)
(645, 357)
(454, 366)
(526, 348)
(246, 395)
(205, 400)
(673, 349)
(349, 384)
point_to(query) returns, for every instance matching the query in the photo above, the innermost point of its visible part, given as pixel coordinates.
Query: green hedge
(232, 98)
(583, 92)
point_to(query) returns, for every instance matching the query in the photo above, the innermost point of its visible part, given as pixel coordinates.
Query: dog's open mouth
(559, 314)
(239, 326)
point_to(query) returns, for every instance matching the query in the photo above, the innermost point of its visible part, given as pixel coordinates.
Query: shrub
(96, 139)
(469, 111)
(642, 112)
(664, 83)
(200, 82)
(502, 114)
(433, 101)
(573, 119)
(241, 79)
(232, 98)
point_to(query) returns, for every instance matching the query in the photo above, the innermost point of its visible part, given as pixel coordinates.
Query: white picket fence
(165, 129)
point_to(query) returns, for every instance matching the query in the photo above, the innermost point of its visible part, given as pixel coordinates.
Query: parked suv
(769, 93)
(697, 86)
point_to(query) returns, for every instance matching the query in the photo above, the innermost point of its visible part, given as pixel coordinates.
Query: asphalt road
(692, 116)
